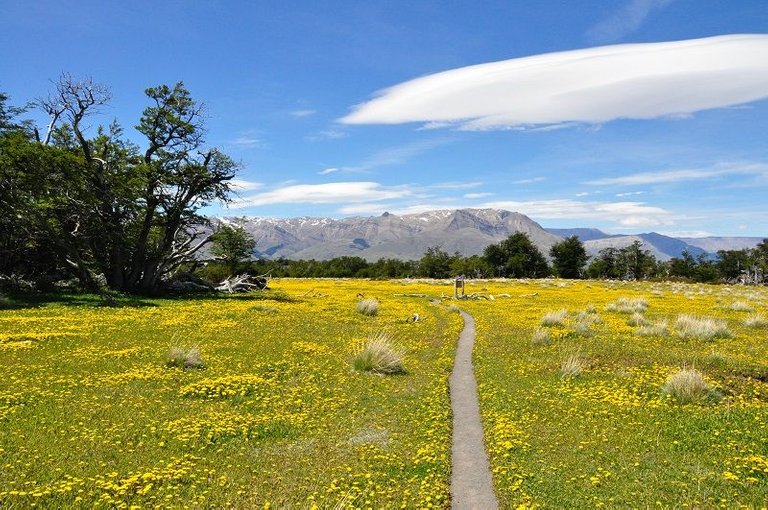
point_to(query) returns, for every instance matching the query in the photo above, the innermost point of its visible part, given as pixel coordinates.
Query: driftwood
(243, 283)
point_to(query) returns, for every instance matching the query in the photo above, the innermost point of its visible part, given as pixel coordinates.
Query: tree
(569, 258)
(684, 267)
(232, 245)
(516, 257)
(635, 263)
(605, 265)
(435, 263)
(103, 205)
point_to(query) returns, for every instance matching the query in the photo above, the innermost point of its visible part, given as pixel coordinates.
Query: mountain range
(467, 231)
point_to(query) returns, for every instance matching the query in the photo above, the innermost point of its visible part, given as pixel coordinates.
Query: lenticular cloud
(637, 81)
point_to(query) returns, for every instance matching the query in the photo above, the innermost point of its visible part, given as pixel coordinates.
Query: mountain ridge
(466, 231)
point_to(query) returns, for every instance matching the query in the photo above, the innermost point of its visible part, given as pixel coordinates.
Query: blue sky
(334, 108)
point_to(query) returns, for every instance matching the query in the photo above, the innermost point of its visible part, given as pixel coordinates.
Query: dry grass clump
(369, 307)
(756, 321)
(741, 306)
(186, 358)
(454, 309)
(541, 338)
(572, 365)
(554, 318)
(688, 386)
(653, 329)
(628, 305)
(703, 328)
(377, 354)
(637, 319)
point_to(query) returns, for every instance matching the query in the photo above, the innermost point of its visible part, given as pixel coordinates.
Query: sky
(629, 115)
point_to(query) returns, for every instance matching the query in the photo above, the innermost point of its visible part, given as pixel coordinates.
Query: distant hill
(715, 244)
(584, 234)
(467, 231)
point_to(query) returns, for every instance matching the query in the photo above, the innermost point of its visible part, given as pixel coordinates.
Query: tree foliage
(516, 257)
(108, 211)
(569, 258)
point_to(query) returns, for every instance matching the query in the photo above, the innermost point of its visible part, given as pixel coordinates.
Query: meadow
(571, 377)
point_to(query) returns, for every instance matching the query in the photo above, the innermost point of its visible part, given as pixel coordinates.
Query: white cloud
(329, 193)
(456, 185)
(638, 81)
(669, 176)
(328, 134)
(477, 195)
(634, 214)
(625, 21)
(246, 142)
(396, 155)
(244, 185)
(303, 113)
(630, 193)
(328, 171)
(530, 181)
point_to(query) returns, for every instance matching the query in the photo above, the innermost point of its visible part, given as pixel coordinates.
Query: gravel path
(471, 484)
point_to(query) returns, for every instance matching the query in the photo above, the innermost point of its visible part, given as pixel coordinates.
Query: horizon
(646, 116)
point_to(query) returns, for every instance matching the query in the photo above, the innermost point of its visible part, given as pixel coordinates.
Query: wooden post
(458, 283)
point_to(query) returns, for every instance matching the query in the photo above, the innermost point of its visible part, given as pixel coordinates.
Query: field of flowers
(90, 415)
(571, 377)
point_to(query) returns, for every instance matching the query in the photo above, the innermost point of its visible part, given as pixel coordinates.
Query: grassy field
(90, 414)
(607, 435)
(574, 410)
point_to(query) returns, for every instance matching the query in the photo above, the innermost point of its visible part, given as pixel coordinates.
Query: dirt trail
(471, 483)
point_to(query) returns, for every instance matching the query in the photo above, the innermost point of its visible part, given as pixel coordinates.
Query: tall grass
(554, 318)
(628, 305)
(703, 328)
(378, 355)
(572, 365)
(184, 357)
(688, 386)
(369, 306)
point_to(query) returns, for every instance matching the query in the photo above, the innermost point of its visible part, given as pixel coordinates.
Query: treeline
(515, 257)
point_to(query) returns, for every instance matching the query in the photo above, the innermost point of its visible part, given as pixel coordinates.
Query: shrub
(628, 305)
(688, 386)
(572, 365)
(454, 309)
(554, 318)
(541, 338)
(704, 328)
(756, 321)
(376, 354)
(368, 307)
(181, 357)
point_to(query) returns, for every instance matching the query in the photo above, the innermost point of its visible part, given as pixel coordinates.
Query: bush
(376, 354)
(181, 357)
(704, 328)
(687, 386)
(369, 307)
(554, 318)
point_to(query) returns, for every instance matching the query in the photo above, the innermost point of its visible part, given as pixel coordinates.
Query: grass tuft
(637, 319)
(703, 328)
(687, 386)
(756, 321)
(741, 306)
(369, 307)
(541, 338)
(653, 329)
(628, 305)
(377, 354)
(186, 358)
(572, 365)
(554, 318)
